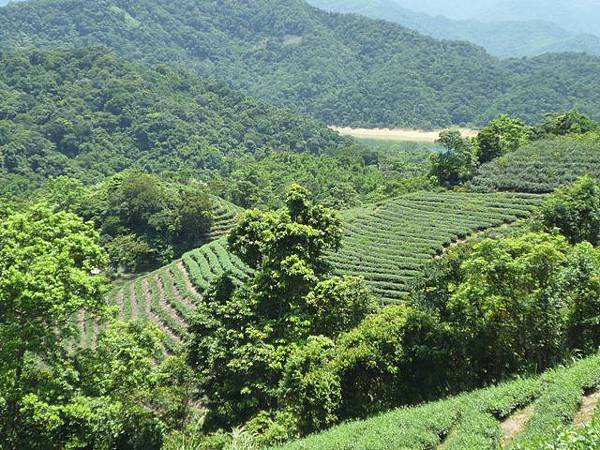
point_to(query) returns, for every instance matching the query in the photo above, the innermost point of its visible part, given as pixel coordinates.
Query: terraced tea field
(541, 166)
(388, 244)
(225, 215)
(166, 295)
(525, 414)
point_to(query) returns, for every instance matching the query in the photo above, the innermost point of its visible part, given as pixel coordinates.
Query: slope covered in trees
(341, 69)
(502, 39)
(88, 114)
(144, 221)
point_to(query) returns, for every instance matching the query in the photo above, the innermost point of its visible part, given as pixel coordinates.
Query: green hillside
(344, 70)
(224, 215)
(387, 244)
(89, 114)
(542, 166)
(503, 39)
(525, 414)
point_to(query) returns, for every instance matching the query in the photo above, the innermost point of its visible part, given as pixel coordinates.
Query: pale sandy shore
(398, 134)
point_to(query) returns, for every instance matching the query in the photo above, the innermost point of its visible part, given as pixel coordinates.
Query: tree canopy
(88, 114)
(575, 211)
(242, 337)
(47, 261)
(341, 69)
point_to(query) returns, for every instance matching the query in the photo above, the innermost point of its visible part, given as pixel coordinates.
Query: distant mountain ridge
(500, 38)
(341, 69)
(577, 16)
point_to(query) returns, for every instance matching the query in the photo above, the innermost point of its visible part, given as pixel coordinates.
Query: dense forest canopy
(507, 38)
(88, 114)
(341, 69)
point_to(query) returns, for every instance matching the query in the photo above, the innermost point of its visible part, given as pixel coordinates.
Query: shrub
(310, 387)
(394, 357)
(338, 304)
(575, 211)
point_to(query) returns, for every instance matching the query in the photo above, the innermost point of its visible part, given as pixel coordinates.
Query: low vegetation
(473, 421)
(542, 166)
(390, 243)
(469, 314)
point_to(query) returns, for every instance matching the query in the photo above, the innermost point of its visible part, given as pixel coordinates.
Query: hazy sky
(575, 15)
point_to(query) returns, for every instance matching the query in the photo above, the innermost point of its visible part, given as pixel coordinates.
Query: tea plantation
(542, 166)
(387, 244)
(528, 414)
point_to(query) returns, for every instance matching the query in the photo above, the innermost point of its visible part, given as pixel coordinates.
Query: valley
(193, 258)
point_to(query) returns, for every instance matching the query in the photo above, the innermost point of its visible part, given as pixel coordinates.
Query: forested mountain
(88, 114)
(291, 279)
(502, 39)
(580, 16)
(574, 15)
(341, 69)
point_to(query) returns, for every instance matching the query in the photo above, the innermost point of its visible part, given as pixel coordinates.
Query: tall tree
(502, 135)
(47, 266)
(241, 338)
(575, 211)
(458, 163)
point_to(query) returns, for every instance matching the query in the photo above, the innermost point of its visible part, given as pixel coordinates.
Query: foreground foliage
(472, 421)
(54, 396)
(242, 338)
(575, 211)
